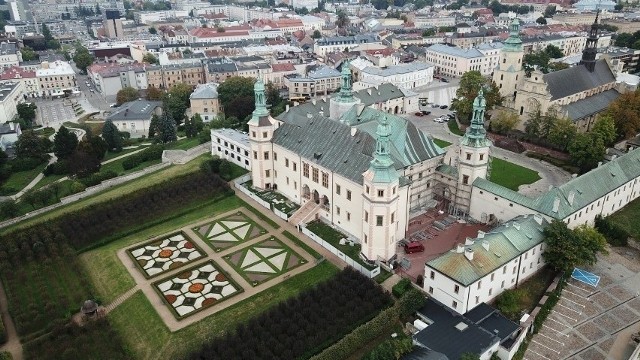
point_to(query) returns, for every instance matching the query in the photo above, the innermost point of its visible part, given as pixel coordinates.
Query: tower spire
(382, 164)
(261, 110)
(591, 49)
(513, 43)
(476, 135)
(346, 93)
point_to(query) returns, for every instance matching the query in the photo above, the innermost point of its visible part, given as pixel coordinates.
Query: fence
(280, 214)
(244, 190)
(351, 262)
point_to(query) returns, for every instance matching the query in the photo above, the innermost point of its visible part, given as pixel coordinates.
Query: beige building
(113, 28)
(56, 79)
(204, 101)
(320, 80)
(26, 77)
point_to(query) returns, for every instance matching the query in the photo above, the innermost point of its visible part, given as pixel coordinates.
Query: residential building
(433, 21)
(278, 74)
(327, 45)
(9, 55)
(11, 94)
(454, 61)
(56, 79)
(134, 117)
(204, 101)
(231, 145)
(482, 268)
(318, 80)
(9, 134)
(26, 77)
(109, 78)
(406, 76)
(389, 98)
(112, 24)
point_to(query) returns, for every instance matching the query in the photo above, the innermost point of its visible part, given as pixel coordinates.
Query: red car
(413, 246)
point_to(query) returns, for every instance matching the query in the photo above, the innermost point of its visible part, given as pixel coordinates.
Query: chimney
(468, 253)
(538, 219)
(468, 241)
(599, 163)
(485, 245)
(481, 234)
(459, 248)
(353, 131)
(556, 205)
(572, 196)
(516, 226)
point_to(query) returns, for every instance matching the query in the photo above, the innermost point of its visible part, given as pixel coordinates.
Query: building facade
(204, 101)
(231, 145)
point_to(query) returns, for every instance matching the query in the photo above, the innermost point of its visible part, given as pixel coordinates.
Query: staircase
(307, 210)
(120, 299)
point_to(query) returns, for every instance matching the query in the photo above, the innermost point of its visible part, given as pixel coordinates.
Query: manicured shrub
(97, 178)
(401, 287)
(615, 234)
(153, 152)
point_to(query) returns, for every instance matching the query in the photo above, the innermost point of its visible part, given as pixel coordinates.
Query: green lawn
(116, 166)
(510, 175)
(442, 143)
(48, 180)
(109, 274)
(110, 155)
(628, 217)
(184, 144)
(453, 127)
(18, 180)
(333, 236)
(148, 338)
(534, 288)
(384, 275)
(302, 244)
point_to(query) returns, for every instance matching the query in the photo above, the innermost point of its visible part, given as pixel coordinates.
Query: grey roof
(217, 67)
(397, 69)
(590, 105)
(205, 91)
(374, 95)
(8, 48)
(443, 336)
(234, 135)
(577, 79)
(323, 72)
(420, 353)
(456, 51)
(493, 321)
(7, 88)
(5, 128)
(135, 110)
(586, 188)
(504, 243)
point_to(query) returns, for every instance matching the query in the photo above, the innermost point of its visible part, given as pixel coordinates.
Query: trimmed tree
(470, 84)
(64, 143)
(112, 136)
(167, 128)
(177, 101)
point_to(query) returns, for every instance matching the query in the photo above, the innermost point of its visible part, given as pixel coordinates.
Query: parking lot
(53, 113)
(590, 323)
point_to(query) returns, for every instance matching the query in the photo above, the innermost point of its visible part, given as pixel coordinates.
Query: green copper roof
(476, 135)
(382, 164)
(261, 110)
(493, 251)
(346, 91)
(513, 43)
(583, 190)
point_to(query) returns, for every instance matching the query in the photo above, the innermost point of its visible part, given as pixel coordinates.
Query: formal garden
(168, 253)
(229, 231)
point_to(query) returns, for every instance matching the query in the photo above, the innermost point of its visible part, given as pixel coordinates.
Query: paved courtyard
(53, 113)
(207, 277)
(594, 323)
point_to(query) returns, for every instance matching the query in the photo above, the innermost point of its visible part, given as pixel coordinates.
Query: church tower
(473, 156)
(345, 100)
(261, 128)
(382, 200)
(509, 71)
(591, 49)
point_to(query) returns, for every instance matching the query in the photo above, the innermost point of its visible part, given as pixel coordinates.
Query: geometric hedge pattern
(197, 289)
(263, 261)
(165, 254)
(229, 231)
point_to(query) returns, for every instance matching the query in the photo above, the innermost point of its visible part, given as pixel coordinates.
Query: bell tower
(261, 128)
(345, 100)
(509, 71)
(591, 49)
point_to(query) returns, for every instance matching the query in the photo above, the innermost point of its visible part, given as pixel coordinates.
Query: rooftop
(566, 82)
(233, 135)
(7, 88)
(455, 51)
(205, 91)
(135, 110)
(55, 68)
(397, 69)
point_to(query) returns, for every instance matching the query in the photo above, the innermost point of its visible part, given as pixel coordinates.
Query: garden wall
(369, 273)
(280, 214)
(254, 197)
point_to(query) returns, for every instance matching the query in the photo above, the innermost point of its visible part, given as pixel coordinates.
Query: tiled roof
(397, 69)
(16, 72)
(135, 110)
(455, 51)
(492, 251)
(590, 105)
(577, 79)
(282, 67)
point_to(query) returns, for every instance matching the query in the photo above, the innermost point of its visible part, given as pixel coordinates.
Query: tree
(150, 58)
(236, 96)
(177, 101)
(343, 19)
(605, 129)
(193, 126)
(9, 209)
(154, 94)
(316, 34)
(538, 59)
(618, 7)
(30, 145)
(541, 20)
(625, 110)
(567, 249)
(509, 303)
(50, 41)
(154, 126)
(153, 31)
(167, 128)
(126, 94)
(586, 150)
(82, 58)
(504, 121)
(553, 51)
(27, 112)
(562, 133)
(550, 11)
(470, 84)
(28, 54)
(84, 162)
(112, 136)
(429, 32)
(95, 146)
(64, 143)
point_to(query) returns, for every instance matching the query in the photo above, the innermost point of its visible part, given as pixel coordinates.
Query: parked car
(425, 112)
(444, 80)
(435, 106)
(412, 247)
(419, 113)
(444, 107)
(114, 105)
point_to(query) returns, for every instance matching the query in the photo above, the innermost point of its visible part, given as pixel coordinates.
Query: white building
(231, 145)
(56, 78)
(327, 45)
(11, 94)
(406, 76)
(312, 23)
(109, 78)
(150, 17)
(9, 55)
(434, 21)
(454, 61)
(482, 268)
(134, 117)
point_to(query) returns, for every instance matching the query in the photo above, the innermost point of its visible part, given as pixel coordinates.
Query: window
(366, 217)
(255, 155)
(380, 193)
(267, 173)
(264, 134)
(394, 190)
(325, 180)
(314, 175)
(366, 189)
(286, 162)
(337, 189)
(348, 194)
(365, 239)
(338, 210)
(456, 289)
(295, 168)
(477, 299)
(305, 170)
(430, 290)
(479, 284)
(504, 270)
(275, 156)
(481, 157)
(379, 220)
(515, 268)
(393, 217)
(266, 155)
(468, 156)
(348, 216)
(502, 285)
(490, 291)
(432, 275)
(465, 179)
(454, 304)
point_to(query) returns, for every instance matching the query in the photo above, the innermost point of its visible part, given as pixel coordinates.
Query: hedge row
(362, 335)
(97, 178)
(153, 152)
(401, 287)
(615, 234)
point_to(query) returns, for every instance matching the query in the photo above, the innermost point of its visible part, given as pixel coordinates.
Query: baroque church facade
(362, 170)
(579, 93)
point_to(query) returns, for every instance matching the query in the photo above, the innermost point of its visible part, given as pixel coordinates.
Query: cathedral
(579, 93)
(362, 170)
